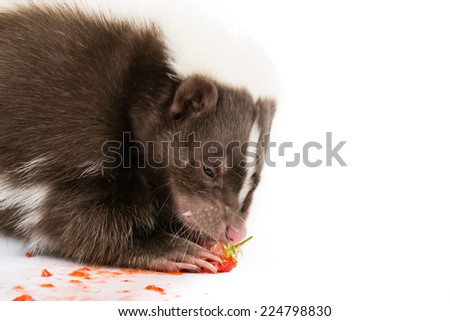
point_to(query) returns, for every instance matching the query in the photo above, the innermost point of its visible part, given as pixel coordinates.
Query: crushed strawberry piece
(155, 288)
(49, 285)
(45, 273)
(81, 272)
(24, 297)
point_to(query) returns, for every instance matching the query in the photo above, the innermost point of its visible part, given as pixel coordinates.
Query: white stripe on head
(250, 162)
(26, 198)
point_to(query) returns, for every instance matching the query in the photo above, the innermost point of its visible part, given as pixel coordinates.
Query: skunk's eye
(208, 171)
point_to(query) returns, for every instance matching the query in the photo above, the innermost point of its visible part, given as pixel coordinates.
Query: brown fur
(70, 82)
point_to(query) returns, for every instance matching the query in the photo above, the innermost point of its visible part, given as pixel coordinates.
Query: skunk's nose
(235, 234)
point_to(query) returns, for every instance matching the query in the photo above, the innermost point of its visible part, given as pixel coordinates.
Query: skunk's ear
(194, 96)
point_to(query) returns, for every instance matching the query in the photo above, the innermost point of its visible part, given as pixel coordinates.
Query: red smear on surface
(112, 273)
(24, 297)
(45, 273)
(78, 273)
(85, 269)
(49, 285)
(129, 271)
(173, 273)
(155, 288)
(29, 254)
(82, 272)
(99, 275)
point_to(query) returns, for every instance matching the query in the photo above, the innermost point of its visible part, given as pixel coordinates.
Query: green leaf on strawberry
(231, 249)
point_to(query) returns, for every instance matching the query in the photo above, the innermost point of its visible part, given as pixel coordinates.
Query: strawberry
(228, 253)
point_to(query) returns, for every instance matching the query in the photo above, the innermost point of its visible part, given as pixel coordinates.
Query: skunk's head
(210, 126)
(216, 155)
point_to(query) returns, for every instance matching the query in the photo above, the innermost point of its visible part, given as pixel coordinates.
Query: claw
(187, 267)
(195, 264)
(208, 255)
(205, 265)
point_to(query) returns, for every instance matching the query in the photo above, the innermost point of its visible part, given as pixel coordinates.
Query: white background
(371, 239)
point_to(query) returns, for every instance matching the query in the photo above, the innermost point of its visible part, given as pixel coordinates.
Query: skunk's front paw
(186, 256)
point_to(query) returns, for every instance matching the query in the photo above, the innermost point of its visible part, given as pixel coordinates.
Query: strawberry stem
(243, 242)
(230, 249)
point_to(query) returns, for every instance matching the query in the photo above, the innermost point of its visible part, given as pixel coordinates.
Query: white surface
(100, 283)
(371, 239)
